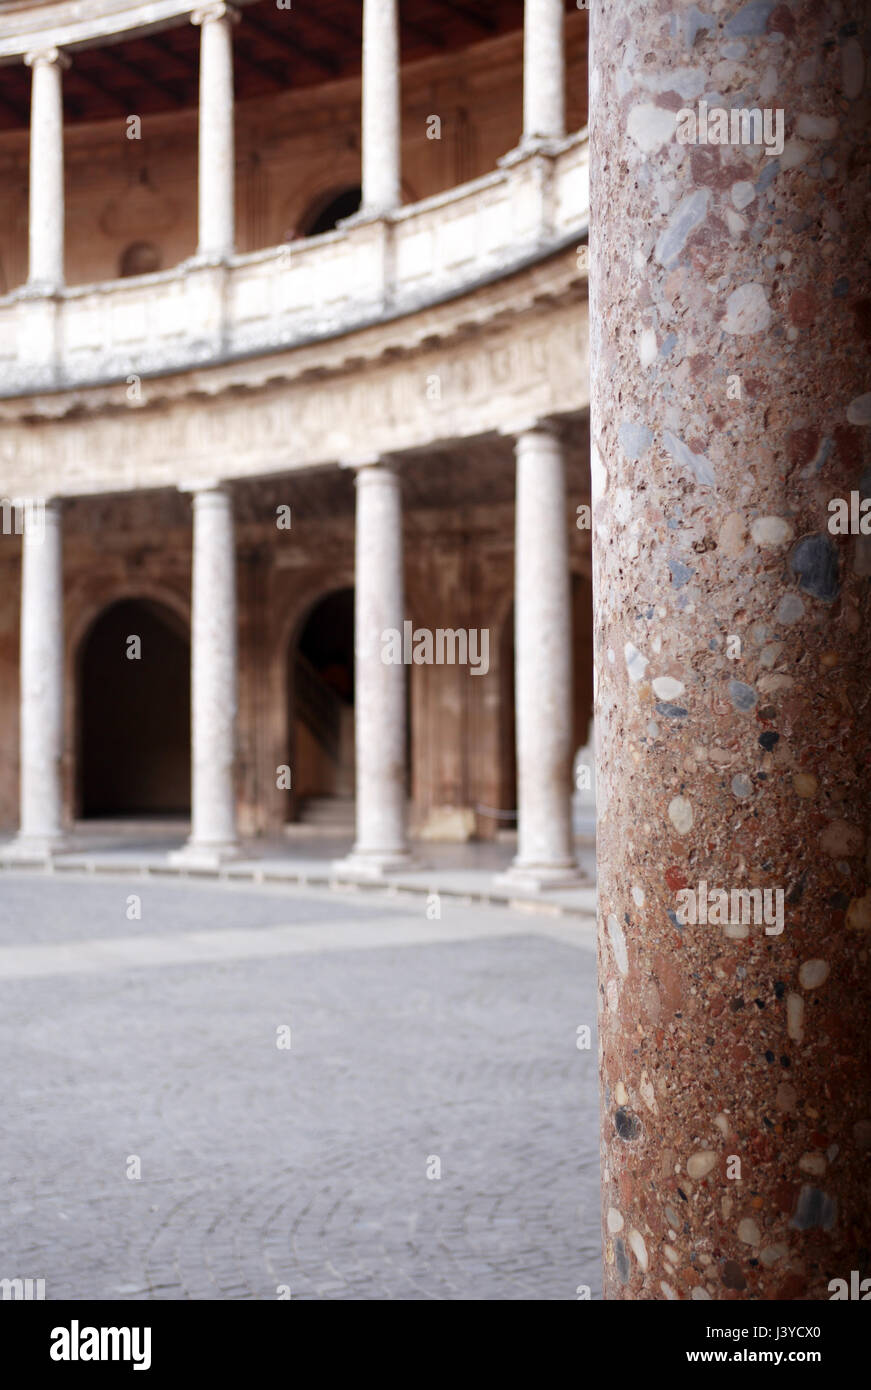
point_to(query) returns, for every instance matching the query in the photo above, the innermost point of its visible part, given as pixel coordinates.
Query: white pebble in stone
(638, 896)
(650, 126)
(742, 194)
(636, 664)
(700, 1295)
(680, 813)
(700, 1164)
(667, 688)
(741, 786)
(618, 944)
(814, 1164)
(615, 1221)
(638, 1248)
(795, 152)
(859, 410)
(816, 127)
(813, 973)
(790, 609)
(747, 310)
(668, 1291)
(772, 1253)
(748, 1232)
(771, 531)
(647, 348)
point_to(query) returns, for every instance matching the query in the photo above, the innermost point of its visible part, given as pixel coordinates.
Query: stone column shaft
(217, 217)
(543, 662)
(730, 434)
(46, 217)
(213, 679)
(42, 678)
(381, 120)
(379, 687)
(543, 71)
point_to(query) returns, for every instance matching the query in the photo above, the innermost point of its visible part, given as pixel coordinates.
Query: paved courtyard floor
(416, 1046)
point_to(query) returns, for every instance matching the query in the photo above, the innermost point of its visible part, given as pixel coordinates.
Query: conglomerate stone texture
(730, 382)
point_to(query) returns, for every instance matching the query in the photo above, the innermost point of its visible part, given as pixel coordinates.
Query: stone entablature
(442, 247)
(70, 24)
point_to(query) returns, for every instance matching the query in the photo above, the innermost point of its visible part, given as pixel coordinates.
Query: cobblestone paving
(264, 1167)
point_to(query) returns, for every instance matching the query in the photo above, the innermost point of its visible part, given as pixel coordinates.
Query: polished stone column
(46, 218)
(730, 408)
(217, 235)
(379, 684)
(543, 664)
(42, 681)
(543, 71)
(213, 681)
(381, 124)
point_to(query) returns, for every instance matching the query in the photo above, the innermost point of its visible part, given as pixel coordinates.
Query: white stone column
(543, 665)
(213, 682)
(217, 206)
(543, 71)
(381, 151)
(46, 219)
(379, 686)
(42, 682)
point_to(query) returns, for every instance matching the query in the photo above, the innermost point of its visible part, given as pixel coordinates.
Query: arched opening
(139, 258)
(134, 713)
(321, 713)
(326, 213)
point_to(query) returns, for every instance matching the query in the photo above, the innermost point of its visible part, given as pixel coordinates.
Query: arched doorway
(134, 713)
(321, 712)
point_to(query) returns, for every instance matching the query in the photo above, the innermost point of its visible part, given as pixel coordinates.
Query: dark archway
(321, 696)
(134, 713)
(325, 214)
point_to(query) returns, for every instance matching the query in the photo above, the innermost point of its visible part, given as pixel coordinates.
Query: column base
(537, 878)
(374, 866)
(204, 856)
(33, 849)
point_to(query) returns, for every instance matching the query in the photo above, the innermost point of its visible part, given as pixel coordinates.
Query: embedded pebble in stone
(815, 561)
(812, 1163)
(742, 194)
(638, 1248)
(636, 664)
(859, 913)
(748, 1232)
(769, 740)
(638, 896)
(672, 1217)
(668, 1291)
(680, 813)
(627, 1125)
(814, 1208)
(700, 1295)
(810, 127)
(614, 1220)
(859, 410)
(697, 464)
(680, 573)
(647, 348)
(650, 126)
(747, 310)
(772, 1253)
(671, 711)
(741, 786)
(852, 69)
(621, 1258)
(620, 1093)
(634, 439)
(667, 688)
(618, 944)
(840, 838)
(795, 1017)
(789, 610)
(751, 20)
(689, 213)
(743, 696)
(770, 531)
(786, 1097)
(813, 973)
(652, 729)
(700, 1164)
(769, 655)
(794, 153)
(732, 535)
(805, 785)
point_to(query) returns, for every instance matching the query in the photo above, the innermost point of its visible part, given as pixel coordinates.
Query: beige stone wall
(291, 152)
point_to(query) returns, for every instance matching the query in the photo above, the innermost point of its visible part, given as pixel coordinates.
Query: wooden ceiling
(274, 49)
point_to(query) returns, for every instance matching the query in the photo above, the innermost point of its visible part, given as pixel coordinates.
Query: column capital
(219, 10)
(369, 463)
(46, 57)
(203, 485)
(532, 424)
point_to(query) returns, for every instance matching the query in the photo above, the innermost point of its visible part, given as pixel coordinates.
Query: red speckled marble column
(731, 405)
